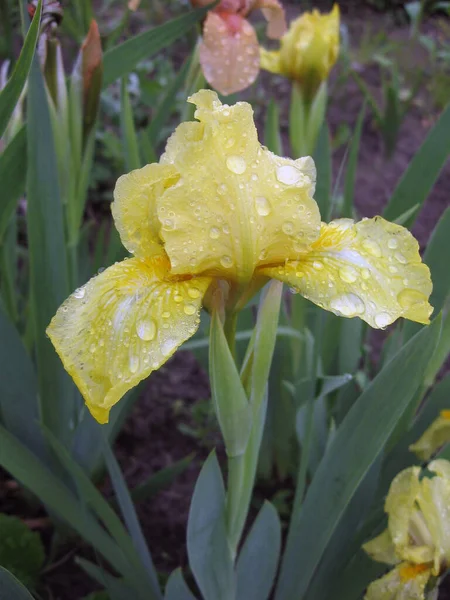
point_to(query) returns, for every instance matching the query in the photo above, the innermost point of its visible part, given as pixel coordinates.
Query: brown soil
(152, 438)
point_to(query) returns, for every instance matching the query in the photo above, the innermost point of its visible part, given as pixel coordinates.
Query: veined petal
(382, 549)
(434, 502)
(229, 52)
(371, 269)
(122, 325)
(405, 582)
(436, 436)
(236, 204)
(134, 208)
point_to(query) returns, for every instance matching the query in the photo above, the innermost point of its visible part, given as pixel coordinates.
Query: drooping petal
(436, 436)
(434, 503)
(122, 325)
(371, 269)
(273, 11)
(229, 52)
(405, 582)
(382, 549)
(134, 208)
(236, 204)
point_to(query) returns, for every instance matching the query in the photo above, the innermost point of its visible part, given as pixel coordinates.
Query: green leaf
(129, 137)
(11, 589)
(422, 172)
(258, 560)
(177, 589)
(13, 165)
(122, 59)
(131, 519)
(322, 157)
(48, 259)
(352, 163)
(117, 589)
(18, 388)
(167, 103)
(230, 400)
(272, 138)
(160, 480)
(10, 94)
(356, 446)
(207, 545)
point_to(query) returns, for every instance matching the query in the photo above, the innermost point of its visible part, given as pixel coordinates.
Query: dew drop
(348, 274)
(190, 309)
(317, 265)
(194, 292)
(392, 269)
(288, 175)
(214, 233)
(226, 261)
(348, 305)
(392, 244)
(365, 273)
(382, 320)
(262, 206)
(236, 164)
(146, 329)
(79, 293)
(133, 364)
(92, 348)
(299, 274)
(288, 228)
(166, 314)
(168, 346)
(401, 259)
(407, 298)
(372, 248)
(177, 298)
(229, 143)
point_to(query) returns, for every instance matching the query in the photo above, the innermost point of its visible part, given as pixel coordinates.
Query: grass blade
(11, 92)
(350, 175)
(11, 588)
(13, 164)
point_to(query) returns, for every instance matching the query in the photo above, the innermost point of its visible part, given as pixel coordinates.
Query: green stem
(229, 328)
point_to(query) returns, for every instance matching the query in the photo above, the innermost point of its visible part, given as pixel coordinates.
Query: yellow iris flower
(436, 436)
(220, 209)
(308, 50)
(417, 539)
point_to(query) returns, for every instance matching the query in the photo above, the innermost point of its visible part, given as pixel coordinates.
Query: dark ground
(152, 438)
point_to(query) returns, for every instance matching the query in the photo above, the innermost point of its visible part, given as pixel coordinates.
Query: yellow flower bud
(308, 50)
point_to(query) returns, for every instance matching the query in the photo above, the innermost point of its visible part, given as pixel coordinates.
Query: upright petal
(229, 52)
(236, 204)
(436, 436)
(434, 502)
(371, 269)
(273, 11)
(122, 325)
(134, 208)
(405, 582)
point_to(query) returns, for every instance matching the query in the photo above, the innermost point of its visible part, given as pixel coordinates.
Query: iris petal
(436, 436)
(122, 325)
(371, 269)
(236, 204)
(405, 582)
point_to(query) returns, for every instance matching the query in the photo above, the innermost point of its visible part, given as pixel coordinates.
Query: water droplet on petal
(383, 319)
(348, 274)
(194, 292)
(409, 297)
(372, 248)
(392, 269)
(348, 305)
(365, 273)
(287, 227)
(134, 364)
(392, 244)
(190, 309)
(288, 175)
(226, 261)
(79, 293)
(177, 298)
(214, 233)
(262, 206)
(168, 346)
(146, 329)
(166, 314)
(401, 259)
(318, 265)
(236, 164)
